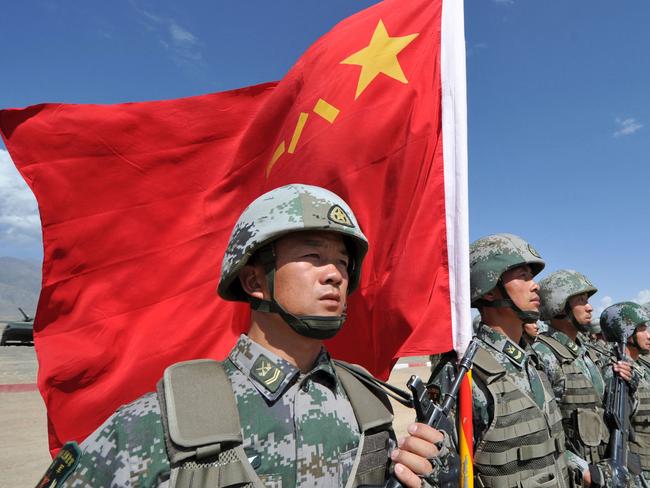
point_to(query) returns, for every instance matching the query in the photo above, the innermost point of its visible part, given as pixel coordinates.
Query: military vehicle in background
(19, 331)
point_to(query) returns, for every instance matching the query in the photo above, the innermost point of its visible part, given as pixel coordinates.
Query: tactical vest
(582, 415)
(524, 445)
(599, 353)
(203, 434)
(640, 421)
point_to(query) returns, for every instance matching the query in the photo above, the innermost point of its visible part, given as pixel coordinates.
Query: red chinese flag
(137, 202)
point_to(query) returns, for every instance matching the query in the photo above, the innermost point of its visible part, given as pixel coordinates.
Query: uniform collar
(270, 374)
(515, 353)
(562, 338)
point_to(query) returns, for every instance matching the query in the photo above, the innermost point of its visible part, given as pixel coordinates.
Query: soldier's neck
(633, 352)
(274, 334)
(504, 321)
(566, 327)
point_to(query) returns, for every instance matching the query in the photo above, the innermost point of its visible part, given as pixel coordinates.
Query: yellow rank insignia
(513, 352)
(62, 466)
(267, 373)
(337, 215)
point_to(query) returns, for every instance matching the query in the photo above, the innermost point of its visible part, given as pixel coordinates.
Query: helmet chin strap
(569, 315)
(635, 343)
(313, 326)
(525, 316)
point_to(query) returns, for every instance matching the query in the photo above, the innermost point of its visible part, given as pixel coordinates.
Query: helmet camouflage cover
(556, 289)
(619, 321)
(282, 211)
(542, 326)
(493, 255)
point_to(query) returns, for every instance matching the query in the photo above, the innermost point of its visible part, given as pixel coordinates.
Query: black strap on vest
(381, 387)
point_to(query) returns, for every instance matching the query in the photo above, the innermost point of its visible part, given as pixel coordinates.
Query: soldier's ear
(251, 281)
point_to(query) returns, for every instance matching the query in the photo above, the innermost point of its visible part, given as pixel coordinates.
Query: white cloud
(19, 220)
(625, 127)
(183, 45)
(642, 297)
(605, 302)
(180, 35)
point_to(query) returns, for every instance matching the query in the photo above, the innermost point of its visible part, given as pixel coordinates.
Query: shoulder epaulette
(562, 352)
(486, 367)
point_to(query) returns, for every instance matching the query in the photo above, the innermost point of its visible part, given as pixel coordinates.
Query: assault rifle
(617, 415)
(427, 412)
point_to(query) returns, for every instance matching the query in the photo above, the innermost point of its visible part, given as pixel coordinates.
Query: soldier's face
(522, 288)
(643, 337)
(312, 273)
(581, 308)
(531, 329)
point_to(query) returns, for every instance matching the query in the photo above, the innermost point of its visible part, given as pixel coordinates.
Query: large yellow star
(380, 56)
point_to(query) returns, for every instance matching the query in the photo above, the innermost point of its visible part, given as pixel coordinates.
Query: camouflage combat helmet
(619, 321)
(283, 211)
(542, 326)
(492, 256)
(555, 291)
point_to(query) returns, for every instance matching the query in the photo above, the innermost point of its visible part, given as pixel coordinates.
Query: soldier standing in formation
(278, 412)
(629, 322)
(518, 436)
(572, 370)
(530, 333)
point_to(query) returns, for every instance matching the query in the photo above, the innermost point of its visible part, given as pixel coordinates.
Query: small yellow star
(380, 56)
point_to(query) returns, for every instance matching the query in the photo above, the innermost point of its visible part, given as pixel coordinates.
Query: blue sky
(558, 105)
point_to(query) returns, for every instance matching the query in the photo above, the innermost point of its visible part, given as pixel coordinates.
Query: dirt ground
(24, 455)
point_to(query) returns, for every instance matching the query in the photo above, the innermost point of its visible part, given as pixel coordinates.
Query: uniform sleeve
(128, 450)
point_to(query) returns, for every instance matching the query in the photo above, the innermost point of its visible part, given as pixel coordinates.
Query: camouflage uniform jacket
(298, 429)
(579, 389)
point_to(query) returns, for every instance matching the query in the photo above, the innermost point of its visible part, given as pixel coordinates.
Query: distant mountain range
(20, 285)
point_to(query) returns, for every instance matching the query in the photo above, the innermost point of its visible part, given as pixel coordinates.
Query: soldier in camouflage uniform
(629, 321)
(531, 331)
(280, 413)
(572, 368)
(518, 436)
